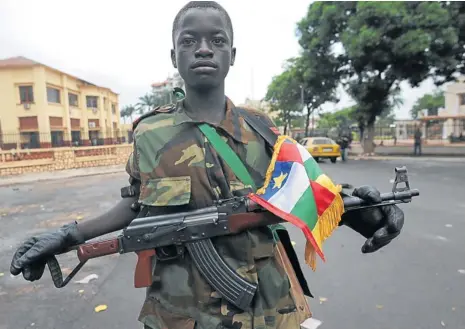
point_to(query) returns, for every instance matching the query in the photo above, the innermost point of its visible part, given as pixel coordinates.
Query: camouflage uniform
(179, 170)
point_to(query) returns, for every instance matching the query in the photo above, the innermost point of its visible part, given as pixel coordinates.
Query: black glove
(379, 225)
(30, 258)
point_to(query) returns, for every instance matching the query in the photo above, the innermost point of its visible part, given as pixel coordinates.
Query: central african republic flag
(297, 191)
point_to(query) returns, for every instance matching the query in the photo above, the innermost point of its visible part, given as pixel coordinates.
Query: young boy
(174, 168)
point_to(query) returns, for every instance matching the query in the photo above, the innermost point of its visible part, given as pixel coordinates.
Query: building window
(92, 101)
(462, 99)
(113, 108)
(26, 94)
(73, 100)
(53, 95)
(30, 140)
(76, 138)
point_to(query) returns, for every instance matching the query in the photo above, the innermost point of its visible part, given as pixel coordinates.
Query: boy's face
(203, 49)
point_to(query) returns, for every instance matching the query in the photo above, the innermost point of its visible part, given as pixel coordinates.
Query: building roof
(160, 84)
(20, 61)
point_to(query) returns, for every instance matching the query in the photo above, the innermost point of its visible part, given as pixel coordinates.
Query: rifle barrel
(352, 202)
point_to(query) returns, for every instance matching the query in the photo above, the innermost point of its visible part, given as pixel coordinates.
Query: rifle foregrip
(97, 249)
(143, 273)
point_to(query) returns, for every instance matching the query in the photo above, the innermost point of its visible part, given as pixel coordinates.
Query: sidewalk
(61, 174)
(427, 150)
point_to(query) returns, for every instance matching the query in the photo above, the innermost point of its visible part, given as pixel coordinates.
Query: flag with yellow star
(298, 191)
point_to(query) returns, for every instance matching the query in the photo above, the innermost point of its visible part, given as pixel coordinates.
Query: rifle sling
(228, 155)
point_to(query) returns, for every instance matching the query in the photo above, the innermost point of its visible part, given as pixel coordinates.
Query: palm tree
(146, 103)
(128, 111)
(124, 113)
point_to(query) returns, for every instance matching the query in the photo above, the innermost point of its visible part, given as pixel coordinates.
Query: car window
(304, 142)
(319, 141)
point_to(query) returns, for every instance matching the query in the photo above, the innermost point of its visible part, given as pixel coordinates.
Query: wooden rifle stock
(247, 221)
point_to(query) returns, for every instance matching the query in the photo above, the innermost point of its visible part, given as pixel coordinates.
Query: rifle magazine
(219, 275)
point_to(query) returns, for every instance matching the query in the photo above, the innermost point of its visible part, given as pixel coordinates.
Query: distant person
(417, 142)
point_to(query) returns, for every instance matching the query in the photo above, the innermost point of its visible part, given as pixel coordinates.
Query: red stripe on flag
(323, 197)
(289, 152)
(291, 219)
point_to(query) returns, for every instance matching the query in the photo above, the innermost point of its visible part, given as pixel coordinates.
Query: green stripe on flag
(305, 209)
(313, 169)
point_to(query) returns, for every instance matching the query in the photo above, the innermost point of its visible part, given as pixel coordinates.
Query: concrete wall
(18, 162)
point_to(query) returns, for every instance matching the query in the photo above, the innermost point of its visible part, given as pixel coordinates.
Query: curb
(404, 155)
(19, 181)
(422, 158)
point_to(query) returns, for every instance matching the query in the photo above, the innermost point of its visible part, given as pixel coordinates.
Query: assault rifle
(192, 230)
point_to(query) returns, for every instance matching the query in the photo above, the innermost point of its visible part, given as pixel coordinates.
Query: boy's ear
(233, 56)
(173, 59)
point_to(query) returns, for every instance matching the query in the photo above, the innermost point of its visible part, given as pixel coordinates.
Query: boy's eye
(188, 42)
(218, 41)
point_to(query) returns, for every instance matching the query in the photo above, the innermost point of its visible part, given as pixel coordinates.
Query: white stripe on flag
(304, 154)
(296, 184)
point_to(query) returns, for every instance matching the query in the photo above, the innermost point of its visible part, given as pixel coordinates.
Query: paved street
(416, 282)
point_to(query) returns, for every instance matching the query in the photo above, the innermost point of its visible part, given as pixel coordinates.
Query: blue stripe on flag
(278, 178)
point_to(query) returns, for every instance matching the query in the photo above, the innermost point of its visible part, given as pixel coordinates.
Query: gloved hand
(379, 225)
(30, 258)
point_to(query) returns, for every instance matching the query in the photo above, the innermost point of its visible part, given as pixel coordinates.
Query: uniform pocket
(154, 316)
(167, 191)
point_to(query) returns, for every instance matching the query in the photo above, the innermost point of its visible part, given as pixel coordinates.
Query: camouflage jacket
(179, 170)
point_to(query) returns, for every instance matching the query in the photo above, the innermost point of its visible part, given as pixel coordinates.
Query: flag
(298, 191)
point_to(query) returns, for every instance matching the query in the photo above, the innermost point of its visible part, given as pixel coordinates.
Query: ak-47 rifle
(192, 230)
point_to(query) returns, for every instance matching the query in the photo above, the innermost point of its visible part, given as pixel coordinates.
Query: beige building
(259, 105)
(450, 120)
(43, 107)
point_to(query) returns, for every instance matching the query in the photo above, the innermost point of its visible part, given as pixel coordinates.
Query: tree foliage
(431, 102)
(371, 47)
(127, 112)
(284, 96)
(344, 117)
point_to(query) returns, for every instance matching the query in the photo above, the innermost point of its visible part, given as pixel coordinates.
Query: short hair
(200, 5)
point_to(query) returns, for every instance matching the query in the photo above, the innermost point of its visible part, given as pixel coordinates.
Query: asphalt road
(418, 281)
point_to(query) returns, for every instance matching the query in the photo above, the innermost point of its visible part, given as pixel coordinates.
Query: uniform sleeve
(132, 168)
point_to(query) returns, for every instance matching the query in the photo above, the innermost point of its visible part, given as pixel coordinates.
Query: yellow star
(278, 181)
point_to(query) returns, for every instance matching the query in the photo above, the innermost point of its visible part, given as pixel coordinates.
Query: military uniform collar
(232, 124)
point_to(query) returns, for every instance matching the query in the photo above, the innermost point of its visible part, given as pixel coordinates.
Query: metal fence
(437, 132)
(36, 140)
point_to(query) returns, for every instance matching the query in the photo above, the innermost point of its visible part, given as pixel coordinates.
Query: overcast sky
(125, 45)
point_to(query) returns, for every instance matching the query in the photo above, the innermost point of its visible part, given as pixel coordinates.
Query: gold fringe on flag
(327, 222)
(269, 171)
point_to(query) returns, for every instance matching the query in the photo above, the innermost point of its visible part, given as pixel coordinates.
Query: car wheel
(333, 160)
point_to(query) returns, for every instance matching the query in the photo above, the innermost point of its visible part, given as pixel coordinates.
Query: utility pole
(302, 101)
(252, 84)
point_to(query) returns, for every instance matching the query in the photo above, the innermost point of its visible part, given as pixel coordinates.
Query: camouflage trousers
(282, 321)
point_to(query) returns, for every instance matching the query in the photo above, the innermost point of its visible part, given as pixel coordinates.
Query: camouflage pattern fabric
(179, 170)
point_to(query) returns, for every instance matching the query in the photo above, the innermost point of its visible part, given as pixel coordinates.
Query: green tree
(313, 76)
(345, 116)
(127, 112)
(371, 47)
(431, 102)
(146, 103)
(284, 95)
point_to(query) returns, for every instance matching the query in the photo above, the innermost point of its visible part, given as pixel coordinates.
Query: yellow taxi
(322, 148)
